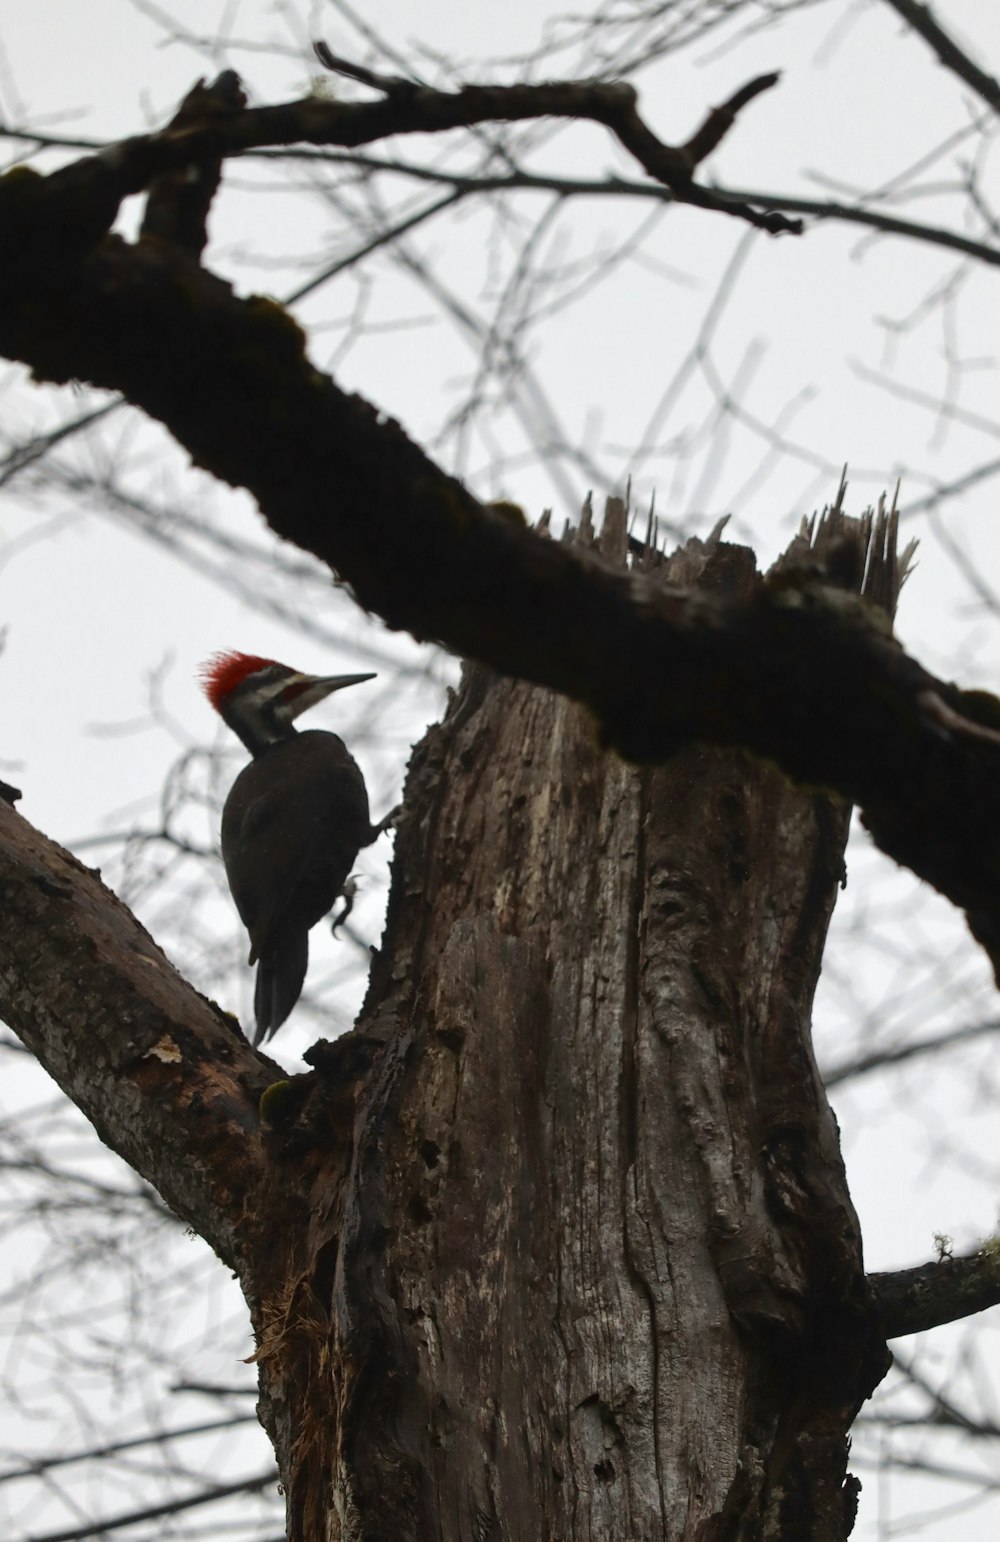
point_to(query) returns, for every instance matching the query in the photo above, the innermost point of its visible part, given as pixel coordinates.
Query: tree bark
(592, 1270)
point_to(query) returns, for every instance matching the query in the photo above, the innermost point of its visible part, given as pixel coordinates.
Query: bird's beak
(306, 690)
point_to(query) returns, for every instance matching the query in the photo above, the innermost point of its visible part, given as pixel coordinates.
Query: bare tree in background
(608, 1416)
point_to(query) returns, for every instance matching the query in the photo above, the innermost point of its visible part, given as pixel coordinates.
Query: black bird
(293, 823)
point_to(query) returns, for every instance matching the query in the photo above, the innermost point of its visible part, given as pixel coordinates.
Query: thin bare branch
(883, 1059)
(822, 209)
(156, 1512)
(922, 19)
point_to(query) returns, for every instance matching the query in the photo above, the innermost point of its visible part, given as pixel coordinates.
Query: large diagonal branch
(165, 1077)
(801, 675)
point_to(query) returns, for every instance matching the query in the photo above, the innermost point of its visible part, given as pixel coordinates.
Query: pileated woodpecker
(293, 823)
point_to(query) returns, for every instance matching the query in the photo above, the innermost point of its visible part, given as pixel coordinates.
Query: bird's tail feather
(280, 973)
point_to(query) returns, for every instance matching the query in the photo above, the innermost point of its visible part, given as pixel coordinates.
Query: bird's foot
(386, 822)
(348, 896)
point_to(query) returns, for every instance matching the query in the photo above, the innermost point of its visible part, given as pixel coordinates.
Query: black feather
(281, 973)
(293, 824)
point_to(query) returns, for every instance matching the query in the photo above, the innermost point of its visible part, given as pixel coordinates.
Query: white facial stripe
(267, 690)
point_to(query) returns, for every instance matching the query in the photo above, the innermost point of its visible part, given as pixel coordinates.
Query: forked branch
(84, 197)
(612, 103)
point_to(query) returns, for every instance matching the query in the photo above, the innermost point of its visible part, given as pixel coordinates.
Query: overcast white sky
(92, 607)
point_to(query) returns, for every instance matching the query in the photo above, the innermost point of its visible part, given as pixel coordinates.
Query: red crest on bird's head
(223, 672)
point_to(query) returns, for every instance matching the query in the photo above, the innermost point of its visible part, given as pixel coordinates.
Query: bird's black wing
(291, 829)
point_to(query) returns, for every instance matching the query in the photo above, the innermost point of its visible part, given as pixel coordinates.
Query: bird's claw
(387, 822)
(348, 896)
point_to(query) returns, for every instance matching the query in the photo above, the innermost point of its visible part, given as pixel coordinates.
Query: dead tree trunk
(583, 1262)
